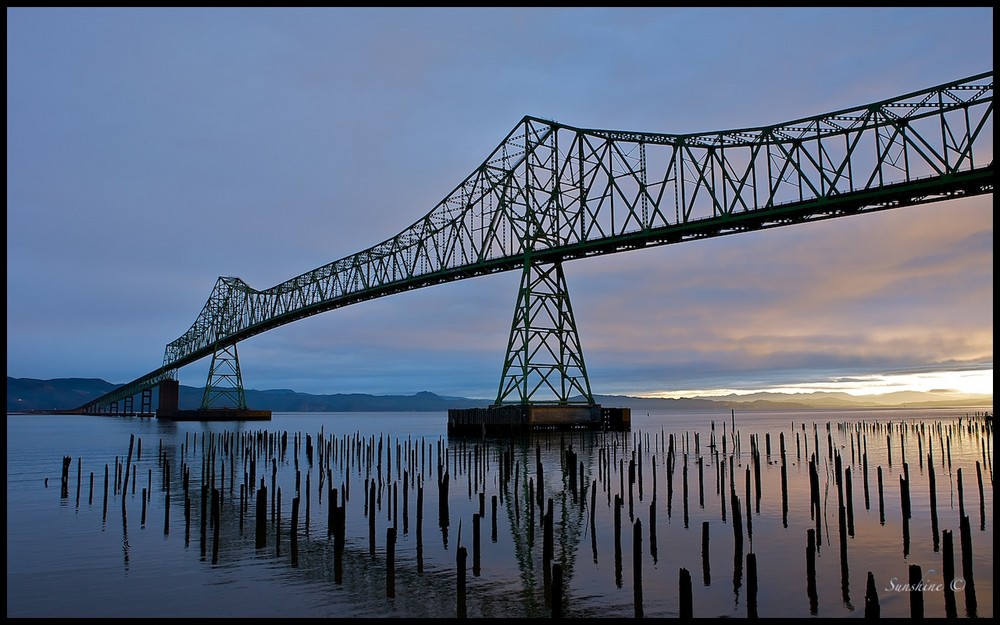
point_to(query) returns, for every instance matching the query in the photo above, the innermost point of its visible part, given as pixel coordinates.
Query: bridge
(550, 192)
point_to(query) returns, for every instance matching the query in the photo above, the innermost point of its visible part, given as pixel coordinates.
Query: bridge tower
(224, 398)
(544, 361)
(544, 384)
(224, 388)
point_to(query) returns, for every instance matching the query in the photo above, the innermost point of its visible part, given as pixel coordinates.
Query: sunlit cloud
(978, 382)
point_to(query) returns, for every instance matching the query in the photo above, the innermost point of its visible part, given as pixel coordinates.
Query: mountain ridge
(29, 394)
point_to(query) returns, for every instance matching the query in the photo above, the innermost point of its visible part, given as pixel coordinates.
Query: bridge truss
(551, 192)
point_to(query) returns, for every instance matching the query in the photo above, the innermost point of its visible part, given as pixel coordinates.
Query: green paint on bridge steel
(551, 192)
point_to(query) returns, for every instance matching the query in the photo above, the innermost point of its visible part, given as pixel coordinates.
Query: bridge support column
(146, 406)
(224, 388)
(169, 398)
(544, 361)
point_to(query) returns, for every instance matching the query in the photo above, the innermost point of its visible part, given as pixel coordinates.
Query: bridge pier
(168, 410)
(517, 419)
(169, 397)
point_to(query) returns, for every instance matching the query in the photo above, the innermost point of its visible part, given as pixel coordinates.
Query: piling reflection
(125, 543)
(969, 587)
(811, 571)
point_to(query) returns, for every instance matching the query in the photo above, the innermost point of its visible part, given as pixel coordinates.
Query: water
(71, 555)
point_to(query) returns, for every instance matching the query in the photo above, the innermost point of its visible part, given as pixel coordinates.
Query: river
(636, 517)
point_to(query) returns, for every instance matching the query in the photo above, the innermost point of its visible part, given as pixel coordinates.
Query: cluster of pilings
(238, 481)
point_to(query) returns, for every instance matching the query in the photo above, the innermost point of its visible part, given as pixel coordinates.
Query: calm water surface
(670, 486)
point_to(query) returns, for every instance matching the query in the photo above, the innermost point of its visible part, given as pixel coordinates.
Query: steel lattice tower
(544, 362)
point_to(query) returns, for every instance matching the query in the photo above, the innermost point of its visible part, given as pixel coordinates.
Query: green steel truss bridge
(551, 192)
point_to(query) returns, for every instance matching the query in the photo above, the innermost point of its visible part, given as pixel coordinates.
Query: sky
(150, 151)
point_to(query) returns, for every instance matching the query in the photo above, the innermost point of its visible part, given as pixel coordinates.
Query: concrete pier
(167, 409)
(215, 414)
(522, 418)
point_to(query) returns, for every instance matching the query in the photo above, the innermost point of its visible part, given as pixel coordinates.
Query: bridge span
(550, 192)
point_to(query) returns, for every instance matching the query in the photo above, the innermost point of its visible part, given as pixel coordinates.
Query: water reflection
(541, 515)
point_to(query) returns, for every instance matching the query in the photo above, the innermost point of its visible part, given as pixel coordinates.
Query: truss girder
(566, 192)
(561, 187)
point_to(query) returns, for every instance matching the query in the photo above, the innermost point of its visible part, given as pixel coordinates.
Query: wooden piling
(751, 585)
(756, 471)
(204, 516)
(966, 538)
(557, 591)
(948, 566)
(705, 561)
(872, 607)
(461, 556)
(493, 519)
(548, 539)
(686, 601)
(916, 592)
(371, 518)
(904, 494)
(216, 522)
(982, 501)
(670, 478)
(166, 509)
(637, 567)
(476, 553)
(331, 510)
(881, 498)
(749, 510)
(737, 519)
(618, 523)
(864, 475)
(390, 562)
(64, 477)
(128, 466)
(701, 482)
(784, 493)
(932, 489)
(685, 492)
(293, 532)
(593, 503)
(961, 494)
(849, 496)
(420, 527)
(814, 498)
(811, 569)
(443, 485)
(967, 555)
(261, 517)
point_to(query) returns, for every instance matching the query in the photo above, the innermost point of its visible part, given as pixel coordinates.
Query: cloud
(152, 150)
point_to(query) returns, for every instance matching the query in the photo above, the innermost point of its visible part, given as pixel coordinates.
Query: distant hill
(26, 394)
(62, 394)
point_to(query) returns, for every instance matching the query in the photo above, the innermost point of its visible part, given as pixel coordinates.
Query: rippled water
(70, 554)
